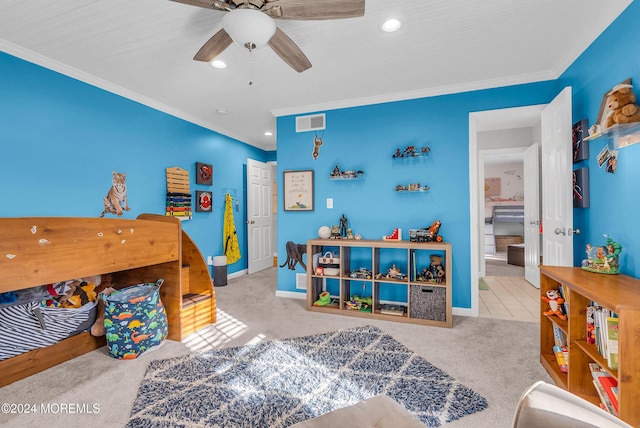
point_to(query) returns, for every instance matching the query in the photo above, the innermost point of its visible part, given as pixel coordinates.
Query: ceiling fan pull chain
(250, 67)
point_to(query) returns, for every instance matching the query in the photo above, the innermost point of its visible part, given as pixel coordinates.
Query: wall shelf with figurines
(412, 187)
(411, 152)
(351, 174)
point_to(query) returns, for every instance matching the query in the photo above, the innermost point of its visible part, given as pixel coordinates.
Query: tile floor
(510, 297)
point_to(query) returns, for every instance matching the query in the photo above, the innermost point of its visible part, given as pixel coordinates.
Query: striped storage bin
(28, 326)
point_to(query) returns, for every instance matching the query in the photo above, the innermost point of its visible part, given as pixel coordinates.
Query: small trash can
(220, 271)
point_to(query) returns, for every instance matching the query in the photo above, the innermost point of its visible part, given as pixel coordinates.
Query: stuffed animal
(555, 301)
(621, 104)
(80, 293)
(436, 268)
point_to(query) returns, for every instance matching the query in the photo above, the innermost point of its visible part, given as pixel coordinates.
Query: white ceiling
(143, 50)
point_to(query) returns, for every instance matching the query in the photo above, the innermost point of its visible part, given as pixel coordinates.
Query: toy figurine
(605, 259)
(555, 301)
(344, 224)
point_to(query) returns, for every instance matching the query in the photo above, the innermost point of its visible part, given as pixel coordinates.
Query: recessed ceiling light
(268, 133)
(391, 25)
(216, 63)
(222, 111)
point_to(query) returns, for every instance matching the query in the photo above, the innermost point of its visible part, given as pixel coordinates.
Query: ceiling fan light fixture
(248, 27)
(391, 25)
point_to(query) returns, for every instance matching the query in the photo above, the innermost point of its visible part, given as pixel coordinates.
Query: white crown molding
(92, 80)
(420, 93)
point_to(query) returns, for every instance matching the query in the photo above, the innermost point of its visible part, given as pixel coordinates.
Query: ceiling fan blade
(214, 46)
(314, 10)
(207, 4)
(289, 51)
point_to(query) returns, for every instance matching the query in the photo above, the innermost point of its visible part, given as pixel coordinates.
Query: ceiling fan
(250, 24)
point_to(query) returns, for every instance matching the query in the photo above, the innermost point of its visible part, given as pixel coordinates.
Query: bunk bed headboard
(42, 250)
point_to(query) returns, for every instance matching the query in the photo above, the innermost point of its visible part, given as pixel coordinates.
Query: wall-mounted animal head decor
(116, 195)
(317, 142)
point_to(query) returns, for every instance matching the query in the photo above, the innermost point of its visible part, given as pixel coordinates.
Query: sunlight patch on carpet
(278, 383)
(215, 335)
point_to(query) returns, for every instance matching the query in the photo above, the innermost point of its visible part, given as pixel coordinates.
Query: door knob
(251, 221)
(566, 232)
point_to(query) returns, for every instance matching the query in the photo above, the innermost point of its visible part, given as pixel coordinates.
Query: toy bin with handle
(135, 320)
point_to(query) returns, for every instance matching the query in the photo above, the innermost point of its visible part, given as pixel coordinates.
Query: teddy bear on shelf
(555, 301)
(436, 269)
(621, 105)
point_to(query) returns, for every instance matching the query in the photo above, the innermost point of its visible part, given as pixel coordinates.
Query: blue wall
(61, 139)
(612, 58)
(365, 138)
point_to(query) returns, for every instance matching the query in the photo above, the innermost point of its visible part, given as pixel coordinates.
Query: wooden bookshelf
(618, 293)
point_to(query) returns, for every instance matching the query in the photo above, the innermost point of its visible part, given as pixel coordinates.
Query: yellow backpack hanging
(230, 242)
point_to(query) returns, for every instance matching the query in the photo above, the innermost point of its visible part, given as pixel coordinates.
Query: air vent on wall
(312, 122)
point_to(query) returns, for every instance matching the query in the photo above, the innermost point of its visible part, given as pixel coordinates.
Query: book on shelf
(612, 342)
(392, 309)
(608, 383)
(591, 325)
(565, 305)
(597, 328)
(606, 386)
(558, 336)
(561, 353)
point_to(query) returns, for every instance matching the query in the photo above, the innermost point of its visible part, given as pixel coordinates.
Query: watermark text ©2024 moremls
(50, 408)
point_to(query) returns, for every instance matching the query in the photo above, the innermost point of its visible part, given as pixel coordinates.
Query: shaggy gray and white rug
(282, 382)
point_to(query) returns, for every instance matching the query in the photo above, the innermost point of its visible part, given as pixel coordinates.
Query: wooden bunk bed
(43, 250)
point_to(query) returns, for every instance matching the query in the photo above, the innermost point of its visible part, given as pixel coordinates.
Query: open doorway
(498, 142)
(504, 204)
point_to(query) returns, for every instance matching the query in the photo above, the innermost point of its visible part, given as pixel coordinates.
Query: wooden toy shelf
(427, 302)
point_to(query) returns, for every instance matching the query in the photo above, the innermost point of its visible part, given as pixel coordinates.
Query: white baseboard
(463, 312)
(237, 274)
(291, 294)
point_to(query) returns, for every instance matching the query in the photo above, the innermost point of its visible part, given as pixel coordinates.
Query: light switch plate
(329, 203)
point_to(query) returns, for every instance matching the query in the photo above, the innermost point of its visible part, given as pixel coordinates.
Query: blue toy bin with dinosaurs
(135, 320)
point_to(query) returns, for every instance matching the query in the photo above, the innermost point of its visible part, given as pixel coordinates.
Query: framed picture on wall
(298, 190)
(579, 131)
(204, 201)
(204, 173)
(581, 188)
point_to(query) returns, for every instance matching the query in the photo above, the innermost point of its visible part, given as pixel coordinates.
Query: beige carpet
(497, 359)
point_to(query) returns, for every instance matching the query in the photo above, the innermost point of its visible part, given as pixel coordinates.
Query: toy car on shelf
(362, 273)
(426, 234)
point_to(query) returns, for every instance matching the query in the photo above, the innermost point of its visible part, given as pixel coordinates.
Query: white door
(532, 214)
(259, 212)
(557, 165)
